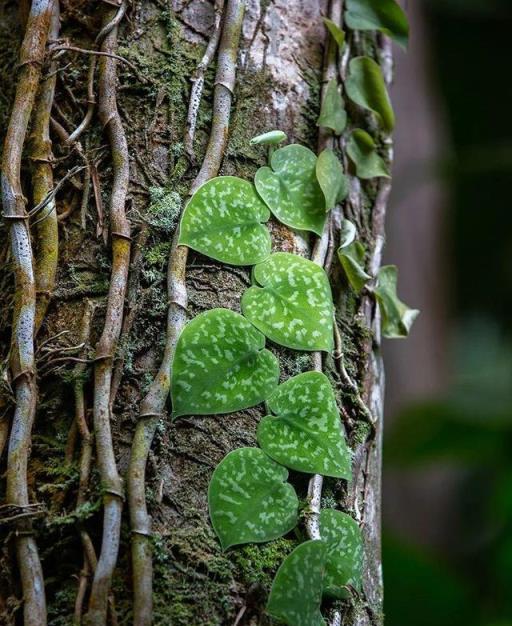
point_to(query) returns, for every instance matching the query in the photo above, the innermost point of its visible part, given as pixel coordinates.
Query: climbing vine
(221, 364)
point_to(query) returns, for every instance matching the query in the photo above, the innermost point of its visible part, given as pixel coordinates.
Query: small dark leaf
(366, 87)
(332, 113)
(332, 180)
(337, 34)
(363, 153)
(383, 15)
(397, 317)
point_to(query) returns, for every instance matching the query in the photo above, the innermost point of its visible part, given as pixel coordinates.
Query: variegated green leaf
(250, 500)
(344, 542)
(384, 15)
(290, 188)
(337, 34)
(293, 306)
(397, 317)
(332, 180)
(351, 254)
(271, 138)
(221, 365)
(223, 221)
(332, 113)
(362, 151)
(306, 435)
(366, 87)
(296, 593)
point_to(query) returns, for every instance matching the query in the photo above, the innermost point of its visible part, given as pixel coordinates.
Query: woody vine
(220, 361)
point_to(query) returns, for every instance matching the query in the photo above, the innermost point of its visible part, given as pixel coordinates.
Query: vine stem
(22, 360)
(198, 80)
(46, 230)
(319, 256)
(153, 405)
(105, 349)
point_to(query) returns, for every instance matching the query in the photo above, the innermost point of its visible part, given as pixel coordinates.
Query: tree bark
(278, 85)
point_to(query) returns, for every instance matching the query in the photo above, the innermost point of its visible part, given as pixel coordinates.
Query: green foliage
(344, 553)
(306, 434)
(397, 317)
(293, 306)
(221, 365)
(383, 15)
(351, 254)
(332, 113)
(290, 188)
(297, 590)
(366, 87)
(249, 499)
(337, 33)
(332, 180)
(362, 151)
(271, 138)
(223, 221)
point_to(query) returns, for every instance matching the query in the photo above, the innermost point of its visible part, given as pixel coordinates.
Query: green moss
(194, 581)
(257, 564)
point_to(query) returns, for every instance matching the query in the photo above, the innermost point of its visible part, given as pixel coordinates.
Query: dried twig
(198, 81)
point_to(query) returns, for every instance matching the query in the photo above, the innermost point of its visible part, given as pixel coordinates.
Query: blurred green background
(448, 444)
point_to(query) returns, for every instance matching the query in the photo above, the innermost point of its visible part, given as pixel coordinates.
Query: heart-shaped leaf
(362, 151)
(271, 138)
(290, 188)
(297, 588)
(351, 254)
(293, 307)
(250, 500)
(366, 87)
(306, 434)
(337, 34)
(223, 221)
(332, 113)
(220, 365)
(344, 542)
(384, 15)
(332, 180)
(397, 317)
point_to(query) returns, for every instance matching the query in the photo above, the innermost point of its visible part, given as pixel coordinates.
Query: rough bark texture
(278, 86)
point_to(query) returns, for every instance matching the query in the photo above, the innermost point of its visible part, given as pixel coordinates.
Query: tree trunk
(91, 382)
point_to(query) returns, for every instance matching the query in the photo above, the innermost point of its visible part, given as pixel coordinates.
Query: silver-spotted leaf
(384, 15)
(332, 180)
(362, 151)
(366, 87)
(296, 592)
(336, 32)
(271, 138)
(293, 304)
(332, 112)
(351, 254)
(221, 365)
(290, 188)
(223, 220)
(306, 435)
(344, 542)
(397, 317)
(250, 500)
